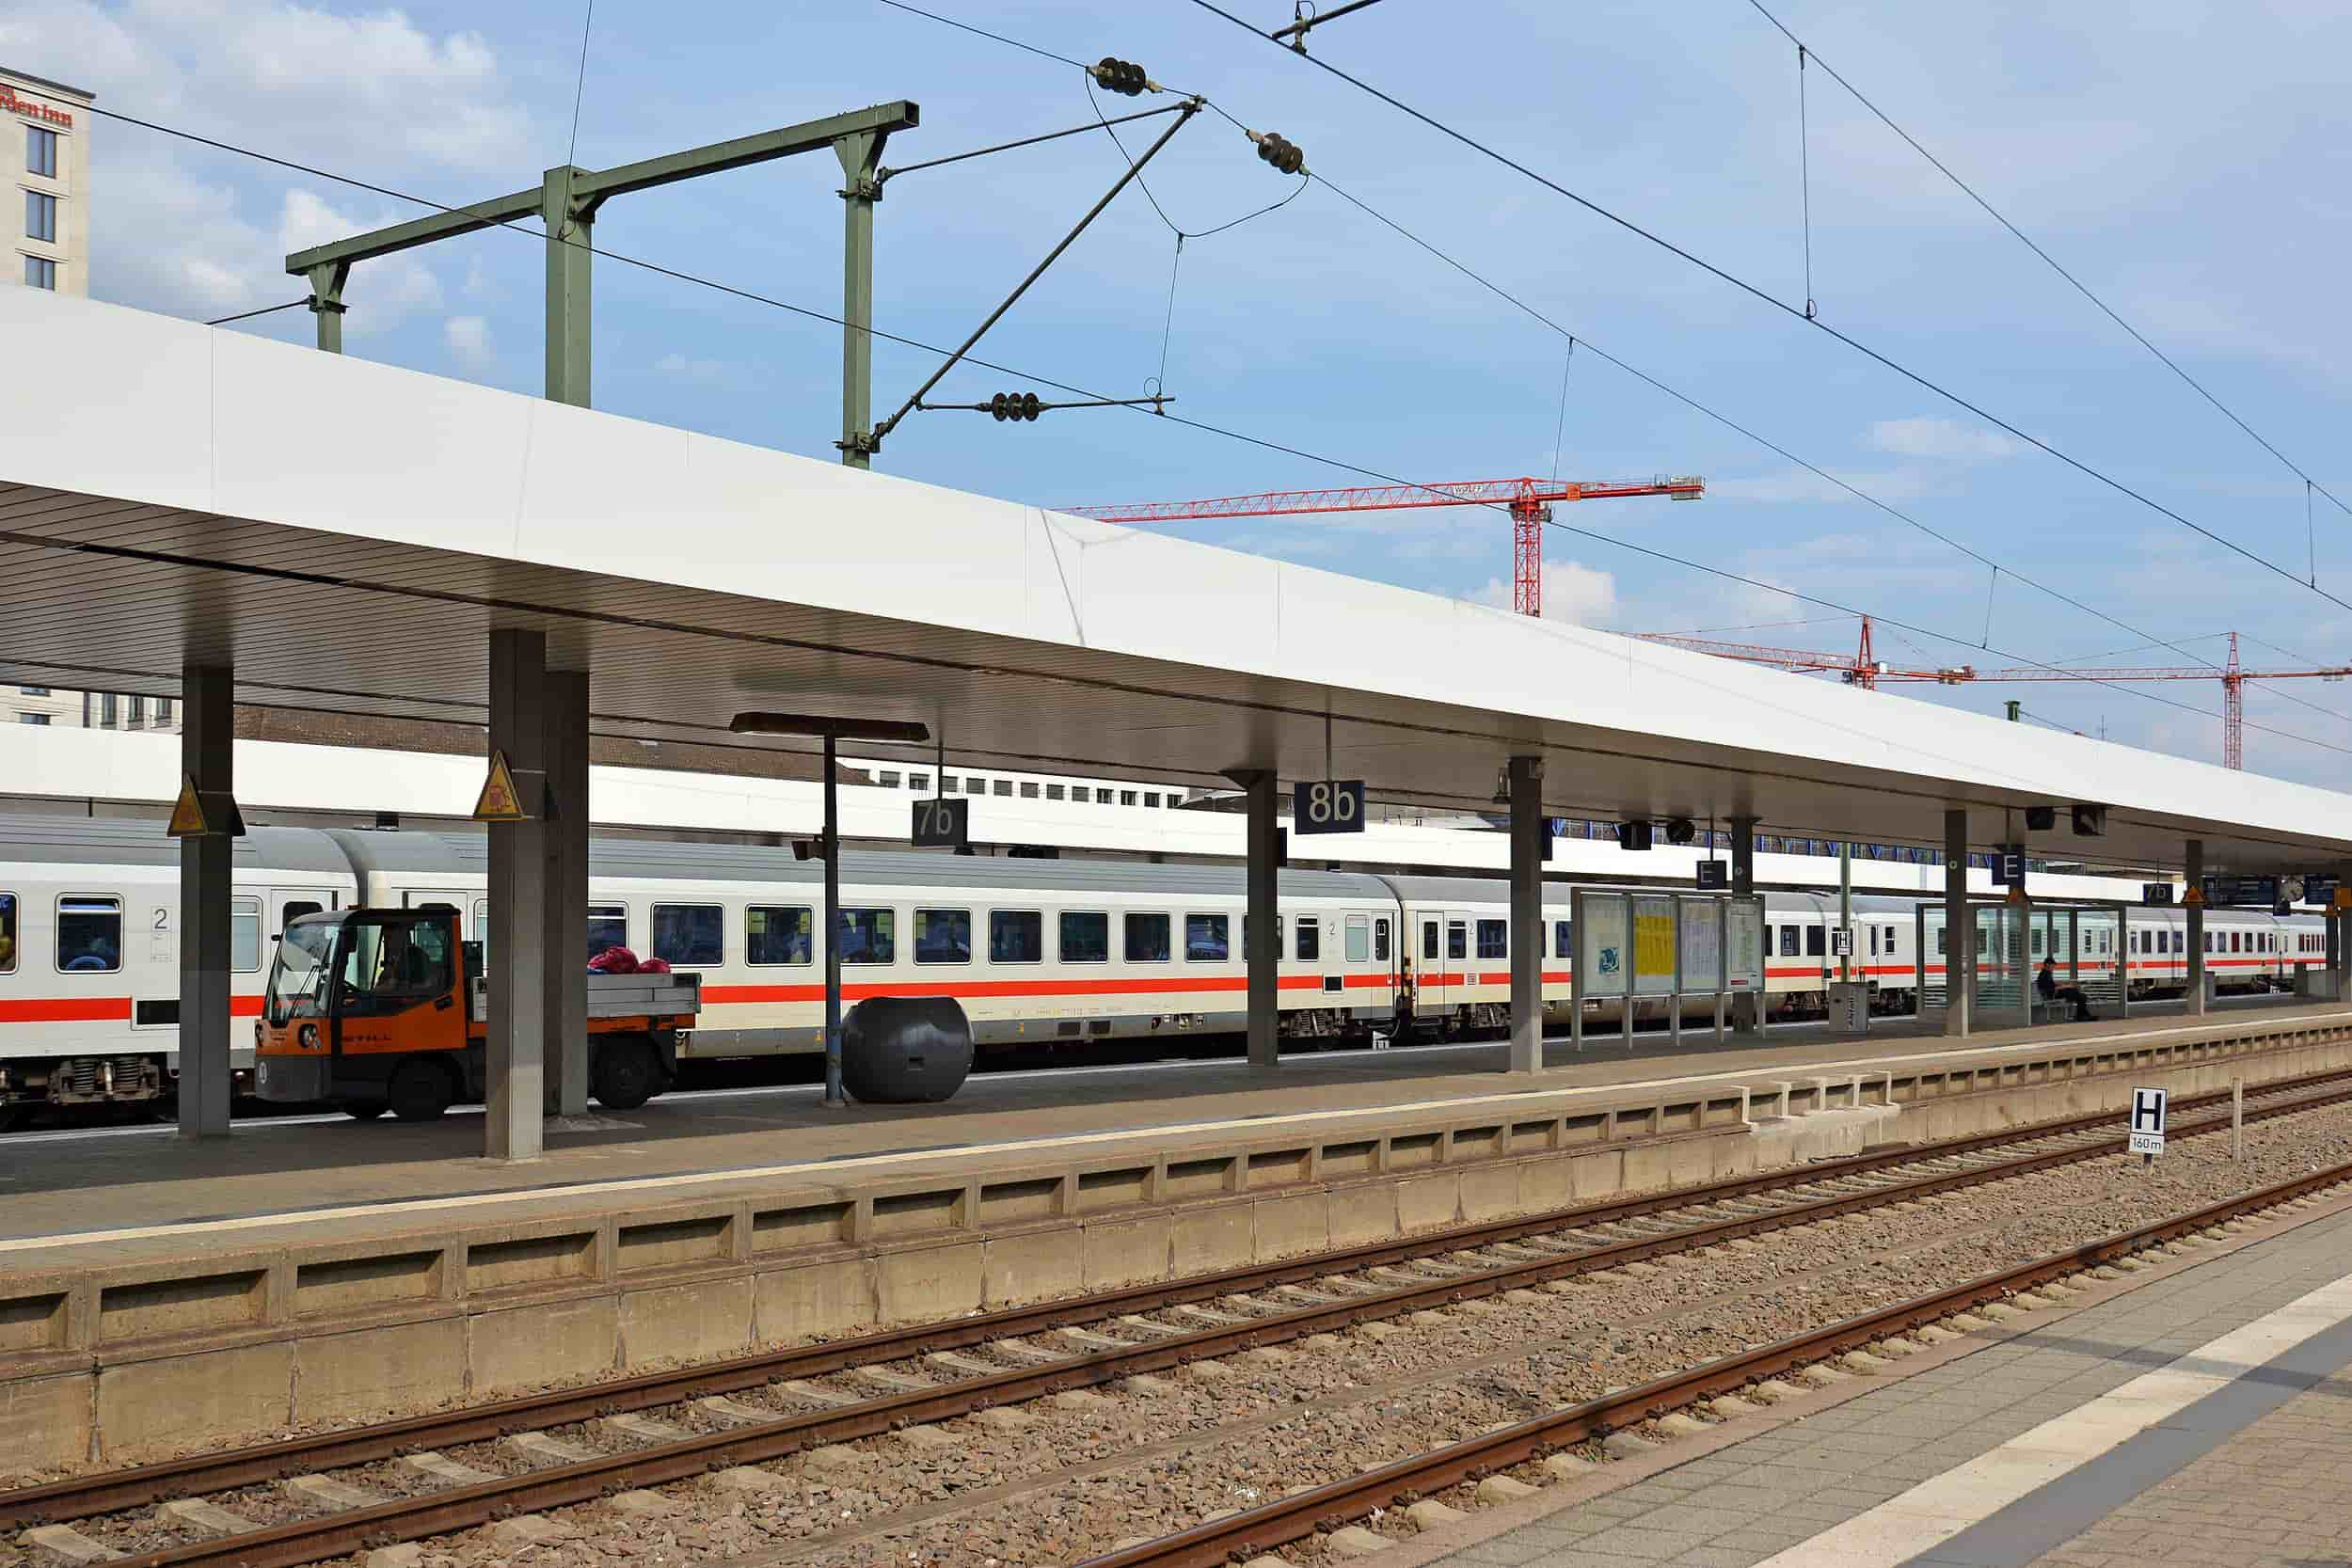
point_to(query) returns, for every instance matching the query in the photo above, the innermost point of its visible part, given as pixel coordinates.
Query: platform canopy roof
(347, 533)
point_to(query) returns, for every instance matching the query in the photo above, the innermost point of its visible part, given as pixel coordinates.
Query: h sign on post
(1329, 806)
(942, 824)
(2147, 1129)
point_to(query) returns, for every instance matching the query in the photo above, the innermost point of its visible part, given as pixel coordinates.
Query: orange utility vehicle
(388, 1010)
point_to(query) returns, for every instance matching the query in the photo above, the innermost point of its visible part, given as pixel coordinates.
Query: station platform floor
(2193, 1415)
(101, 1196)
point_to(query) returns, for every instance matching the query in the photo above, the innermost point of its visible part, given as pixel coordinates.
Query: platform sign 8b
(1329, 806)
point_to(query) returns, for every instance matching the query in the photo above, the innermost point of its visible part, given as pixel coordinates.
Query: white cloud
(1943, 438)
(680, 365)
(373, 94)
(381, 291)
(1803, 484)
(468, 339)
(1580, 594)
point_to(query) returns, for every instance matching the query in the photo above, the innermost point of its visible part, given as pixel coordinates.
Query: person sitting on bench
(2046, 985)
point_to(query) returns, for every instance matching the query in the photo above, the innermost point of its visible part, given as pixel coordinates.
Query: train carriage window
(868, 936)
(1429, 940)
(1086, 937)
(1494, 939)
(942, 936)
(1053, 792)
(1359, 931)
(1016, 936)
(8, 933)
(779, 934)
(1277, 936)
(244, 936)
(1815, 942)
(1380, 942)
(689, 933)
(1028, 789)
(1004, 787)
(608, 928)
(1561, 946)
(1789, 941)
(1310, 940)
(89, 933)
(1456, 939)
(1148, 938)
(1206, 938)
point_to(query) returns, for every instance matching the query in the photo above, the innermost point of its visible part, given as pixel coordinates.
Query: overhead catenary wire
(2052, 261)
(265, 310)
(1560, 428)
(1982, 644)
(1804, 182)
(579, 87)
(1727, 420)
(1243, 438)
(1766, 297)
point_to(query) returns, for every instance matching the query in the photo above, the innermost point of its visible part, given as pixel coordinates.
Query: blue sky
(2189, 161)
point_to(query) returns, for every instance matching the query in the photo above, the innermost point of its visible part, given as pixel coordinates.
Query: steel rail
(312, 1540)
(1291, 1518)
(110, 1491)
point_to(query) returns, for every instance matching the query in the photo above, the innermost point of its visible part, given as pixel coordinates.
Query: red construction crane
(2233, 677)
(1862, 669)
(1529, 501)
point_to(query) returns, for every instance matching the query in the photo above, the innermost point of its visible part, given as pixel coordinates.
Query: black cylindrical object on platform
(902, 1049)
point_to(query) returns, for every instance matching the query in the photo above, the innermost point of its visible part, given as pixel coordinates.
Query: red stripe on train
(98, 1010)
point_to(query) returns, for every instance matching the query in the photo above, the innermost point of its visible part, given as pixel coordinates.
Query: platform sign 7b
(942, 824)
(1329, 806)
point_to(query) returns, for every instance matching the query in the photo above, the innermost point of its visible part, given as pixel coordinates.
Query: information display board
(1743, 946)
(1600, 955)
(1702, 921)
(1654, 944)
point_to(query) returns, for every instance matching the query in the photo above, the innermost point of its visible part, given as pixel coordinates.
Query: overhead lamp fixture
(831, 727)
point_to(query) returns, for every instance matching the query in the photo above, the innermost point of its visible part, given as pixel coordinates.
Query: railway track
(1302, 1297)
(1255, 1532)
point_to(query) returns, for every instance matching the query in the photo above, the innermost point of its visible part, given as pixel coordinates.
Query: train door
(422, 898)
(1428, 953)
(1460, 970)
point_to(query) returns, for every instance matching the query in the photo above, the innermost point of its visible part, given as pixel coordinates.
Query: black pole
(833, 932)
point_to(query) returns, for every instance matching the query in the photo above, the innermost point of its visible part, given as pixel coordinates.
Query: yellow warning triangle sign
(188, 813)
(500, 801)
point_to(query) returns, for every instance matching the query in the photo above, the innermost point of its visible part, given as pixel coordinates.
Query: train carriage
(1039, 952)
(90, 950)
(1034, 950)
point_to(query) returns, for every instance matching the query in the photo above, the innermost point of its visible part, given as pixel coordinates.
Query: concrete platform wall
(115, 1364)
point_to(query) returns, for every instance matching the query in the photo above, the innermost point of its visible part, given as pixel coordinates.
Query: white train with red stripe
(1037, 951)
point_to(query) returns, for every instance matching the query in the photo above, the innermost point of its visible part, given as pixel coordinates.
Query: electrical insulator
(1282, 153)
(1014, 406)
(1121, 76)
